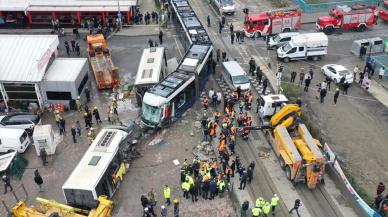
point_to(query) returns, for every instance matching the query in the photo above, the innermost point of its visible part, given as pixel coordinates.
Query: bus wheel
(282, 163)
(288, 173)
(328, 30)
(361, 28)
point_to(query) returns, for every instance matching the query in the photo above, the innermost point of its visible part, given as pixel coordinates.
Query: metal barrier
(311, 8)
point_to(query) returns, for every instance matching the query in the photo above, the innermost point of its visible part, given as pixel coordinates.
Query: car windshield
(240, 79)
(276, 38)
(151, 113)
(228, 2)
(287, 47)
(343, 72)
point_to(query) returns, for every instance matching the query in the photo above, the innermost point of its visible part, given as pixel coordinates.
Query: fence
(316, 7)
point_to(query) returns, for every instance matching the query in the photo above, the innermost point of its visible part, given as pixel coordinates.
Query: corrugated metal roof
(24, 58)
(65, 69)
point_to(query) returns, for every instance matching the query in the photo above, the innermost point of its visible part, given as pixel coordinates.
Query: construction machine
(100, 59)
(51, 208)
(298, 152)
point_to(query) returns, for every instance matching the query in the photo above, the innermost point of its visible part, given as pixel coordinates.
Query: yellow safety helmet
(175, 200)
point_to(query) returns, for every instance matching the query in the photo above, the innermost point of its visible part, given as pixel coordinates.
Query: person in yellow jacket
(256, 212)
(190, 180)
(266, 209)
(274, 203)
(260, 202)
(186, 188)
(167, 194)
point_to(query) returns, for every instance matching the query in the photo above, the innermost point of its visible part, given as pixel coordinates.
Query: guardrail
(316, 7)
(336, 170)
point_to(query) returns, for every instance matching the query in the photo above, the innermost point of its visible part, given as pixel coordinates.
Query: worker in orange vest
(217, 116)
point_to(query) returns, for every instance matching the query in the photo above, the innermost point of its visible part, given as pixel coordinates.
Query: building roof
(65, 5)
(24, 58)
(65, 69)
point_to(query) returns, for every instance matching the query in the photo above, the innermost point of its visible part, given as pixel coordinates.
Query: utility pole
(119, 15)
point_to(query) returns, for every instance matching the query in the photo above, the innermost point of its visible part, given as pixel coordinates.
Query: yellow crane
(51, 208)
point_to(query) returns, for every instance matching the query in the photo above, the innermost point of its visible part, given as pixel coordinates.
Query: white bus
(99, 172)
(152, 69)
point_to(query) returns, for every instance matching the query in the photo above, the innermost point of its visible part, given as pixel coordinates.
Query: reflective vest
(189, 180)
(260, 202)
(167, 192)
(185, 186)
(274, 201)
(266, 208)
(221, 185)
(256, 212)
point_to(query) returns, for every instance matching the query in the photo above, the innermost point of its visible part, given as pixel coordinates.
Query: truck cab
(333, 20)
(256, 25)
(383, 14)
(270, 104)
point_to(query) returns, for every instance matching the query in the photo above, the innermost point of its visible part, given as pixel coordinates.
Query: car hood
(326, 18)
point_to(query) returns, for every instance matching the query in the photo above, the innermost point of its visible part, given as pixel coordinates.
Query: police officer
(260, 202)
(186, 188)
(256, 212)
(79, 103)
(167, 194)
(274, 203)
(266, 209)
(96, 115)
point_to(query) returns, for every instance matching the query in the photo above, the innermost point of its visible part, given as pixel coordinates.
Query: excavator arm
(284, 114)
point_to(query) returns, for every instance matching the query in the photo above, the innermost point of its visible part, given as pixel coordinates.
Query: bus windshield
(151, 113)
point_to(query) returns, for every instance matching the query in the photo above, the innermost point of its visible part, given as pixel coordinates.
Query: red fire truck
(272, 22)
(357, 17)
(383, 14)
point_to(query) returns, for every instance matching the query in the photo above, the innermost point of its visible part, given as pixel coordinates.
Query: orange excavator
(100, 59)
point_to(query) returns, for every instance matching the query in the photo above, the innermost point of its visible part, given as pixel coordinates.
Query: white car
(336, 72)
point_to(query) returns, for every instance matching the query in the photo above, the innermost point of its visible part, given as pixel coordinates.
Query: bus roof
(96, 160)
(150, 66)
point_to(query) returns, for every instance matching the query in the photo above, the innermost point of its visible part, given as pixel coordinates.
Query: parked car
(336, 72)
(25, 121)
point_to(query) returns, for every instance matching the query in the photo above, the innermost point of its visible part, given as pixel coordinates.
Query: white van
(280, 39)
(225, 6)
(235, 76)
(14, 140)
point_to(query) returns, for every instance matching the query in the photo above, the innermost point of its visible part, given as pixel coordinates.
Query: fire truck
(357, 17)
(383, 14)
(272, 22)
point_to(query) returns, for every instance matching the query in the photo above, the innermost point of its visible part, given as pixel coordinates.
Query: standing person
(243, 181)
(311, 72)
(7, 183)
(223, 19)
(249, 175)
(167, 194)
(259, 74)
(361, 78)
(78, 128)
(237, 36)
(293, 76)
(297, 204)
(218, 55)
(232, 37)
(381, 72)
(328, 82)
(336, 95)
(265, 83)
(160, 37)
(231, 28)
(77, 49)
(301, 76)
(244, 208)
(251, 65)
(43, 156)
(212, 189)
(87, 94)
(72, 42)
(96, 114)
(73, 133)
(322, 95)
(274, 203)
(150, 43)
(38, 180)
(307, 81)
(223, 56)
(176, 207)
(63, 125)
(345, 87)
(211, 93)
(362, 51)
(380, 188)
(208, 20)
(67, 48)
(163, 211)
(220, 27)
(355, 72)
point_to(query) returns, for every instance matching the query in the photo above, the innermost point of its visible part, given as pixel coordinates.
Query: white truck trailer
(304, 46)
